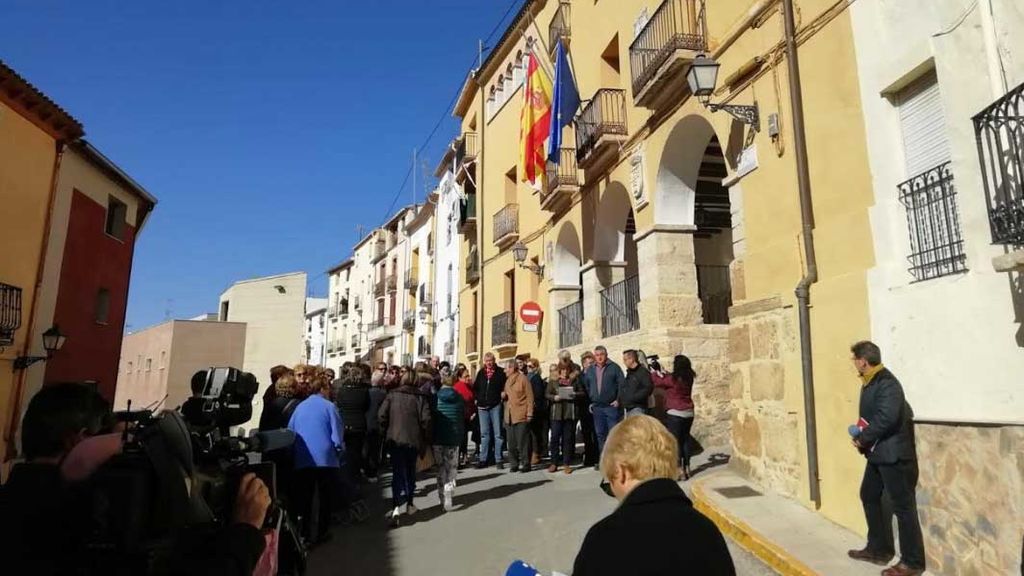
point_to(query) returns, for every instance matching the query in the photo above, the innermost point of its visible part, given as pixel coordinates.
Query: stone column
(559, 296)
(668, 277)
(596, 277)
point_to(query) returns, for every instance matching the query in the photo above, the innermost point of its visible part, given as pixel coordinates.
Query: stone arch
(568, 256)
(613, 214)
(678, 170)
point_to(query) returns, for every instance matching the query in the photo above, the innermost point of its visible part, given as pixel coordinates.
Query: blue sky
(268, 130)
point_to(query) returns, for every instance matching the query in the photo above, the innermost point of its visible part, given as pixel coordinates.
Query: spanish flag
(535, 123)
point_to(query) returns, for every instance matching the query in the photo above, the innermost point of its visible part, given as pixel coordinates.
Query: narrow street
(499, 517)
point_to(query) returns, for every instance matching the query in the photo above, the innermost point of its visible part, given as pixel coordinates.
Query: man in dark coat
(603, 380)
(636, 389)
(489, 388)
(885, 436)
(655, 530)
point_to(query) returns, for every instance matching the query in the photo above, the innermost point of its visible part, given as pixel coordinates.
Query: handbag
(425, 462)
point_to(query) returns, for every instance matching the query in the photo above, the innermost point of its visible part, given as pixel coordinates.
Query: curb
(754, 542)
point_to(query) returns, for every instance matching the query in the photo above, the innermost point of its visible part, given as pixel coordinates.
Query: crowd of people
(429, 415)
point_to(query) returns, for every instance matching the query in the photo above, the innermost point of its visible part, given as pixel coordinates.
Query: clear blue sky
(268, 130)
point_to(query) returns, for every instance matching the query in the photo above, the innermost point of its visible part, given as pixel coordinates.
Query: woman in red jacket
(678, 403)
(464, 386)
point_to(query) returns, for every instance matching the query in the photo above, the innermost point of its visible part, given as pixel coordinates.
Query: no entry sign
(530, 313)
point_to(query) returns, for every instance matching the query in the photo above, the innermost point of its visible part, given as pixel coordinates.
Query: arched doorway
(690, 192)
(567, 294)
(615, 256)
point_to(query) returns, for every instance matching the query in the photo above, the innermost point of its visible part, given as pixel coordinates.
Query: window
(117, 214)
(224, 310)
(929, 193)
(149, 364)
(101, 312)
(163, 359)
(130, 366)
(510, 82)
(510, 186)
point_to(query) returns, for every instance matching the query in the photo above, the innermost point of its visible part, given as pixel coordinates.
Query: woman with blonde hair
(641, 462)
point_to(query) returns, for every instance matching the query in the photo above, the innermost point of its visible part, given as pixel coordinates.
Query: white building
(418, 315)
(948, 206)
(316, 331)
(273, 309)
(340, 316)
(447, 262)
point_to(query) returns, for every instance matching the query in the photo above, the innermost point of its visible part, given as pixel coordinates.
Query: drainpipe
(480, 212)
(803, 288)
(14, 415)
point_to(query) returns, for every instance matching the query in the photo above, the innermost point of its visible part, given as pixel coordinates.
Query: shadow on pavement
(715, 460)
(365, 548)
(465, 501)
(430, 487)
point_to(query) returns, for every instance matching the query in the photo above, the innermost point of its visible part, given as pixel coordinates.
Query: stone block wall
(970, 497)
(766, 437)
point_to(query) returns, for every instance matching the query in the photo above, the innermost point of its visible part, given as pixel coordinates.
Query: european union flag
(564, 104)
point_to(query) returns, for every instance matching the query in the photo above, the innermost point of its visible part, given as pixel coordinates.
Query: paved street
(499, 517)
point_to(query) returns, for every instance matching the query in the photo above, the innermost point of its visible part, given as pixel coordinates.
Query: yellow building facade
(33, 132)
(674, 229)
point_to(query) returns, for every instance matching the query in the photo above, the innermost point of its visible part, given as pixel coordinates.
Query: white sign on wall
(636, 175)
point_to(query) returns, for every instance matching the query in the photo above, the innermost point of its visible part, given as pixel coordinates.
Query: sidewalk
(782, 533)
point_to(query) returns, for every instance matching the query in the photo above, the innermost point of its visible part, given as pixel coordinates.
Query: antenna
(414, 177)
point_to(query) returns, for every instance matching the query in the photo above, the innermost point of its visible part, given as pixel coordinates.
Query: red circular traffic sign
(530, 313)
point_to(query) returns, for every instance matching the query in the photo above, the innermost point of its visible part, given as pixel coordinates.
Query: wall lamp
(519, 252)
(702, 77)
(53, 340)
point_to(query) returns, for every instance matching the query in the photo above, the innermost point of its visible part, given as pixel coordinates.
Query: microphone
(520, 568)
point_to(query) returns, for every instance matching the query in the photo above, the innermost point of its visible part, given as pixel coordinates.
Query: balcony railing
(10, 313)
(470, 339)
(675, 25)
(466, 150)
(472, 266)
(409, 320)
(715, 291)
(423, 347)
(380, 249)
(559, 28)
(503, 329)
(449, 349)
(412, 279)
(379, 289)
(332, 311)
(619, 307)
(343, 309)
(506, 225)
(604, 115)
(467, 214)
(998, 130)
(936, 246)
(563, 180)
(392, 284)
(570, 325)
(407, 360)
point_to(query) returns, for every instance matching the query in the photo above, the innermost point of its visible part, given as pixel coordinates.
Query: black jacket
(488, 391)
(377, 395)
(890, 419)
(654, 532)
(277, 412)
(636, 389)
(353, 402)
(36, 533)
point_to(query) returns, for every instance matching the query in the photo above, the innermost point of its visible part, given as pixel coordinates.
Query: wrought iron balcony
(570, 325)
(936, 245)
(998, 130)
(471, 343)
(392, 284)
(506, 226)
(379, 289)
(563, 180)
(600, 129)
(619, 312)
(503, 329)
(465, 154)
(412, 279)
(661, 54)
(467, 215)
(409, 320)
(332, 311)
(10, 313)
(559, 28)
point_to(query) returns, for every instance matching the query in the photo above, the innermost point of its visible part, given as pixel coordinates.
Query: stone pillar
(596, 277)
(558, 297)
(668, 277)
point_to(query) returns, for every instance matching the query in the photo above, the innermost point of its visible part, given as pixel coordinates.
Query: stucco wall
(447, 255)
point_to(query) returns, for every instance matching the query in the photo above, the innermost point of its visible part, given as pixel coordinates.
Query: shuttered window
(929, 192)
(925, 142)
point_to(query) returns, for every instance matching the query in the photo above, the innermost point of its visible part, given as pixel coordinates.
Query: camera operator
(42, 512)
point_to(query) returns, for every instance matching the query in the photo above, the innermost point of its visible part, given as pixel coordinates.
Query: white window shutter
(923, 125)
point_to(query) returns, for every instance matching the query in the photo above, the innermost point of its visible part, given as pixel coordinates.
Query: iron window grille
(10, 313)
(999, 132)
(503, 329)
(936, 245)
(715, 290)
(619, 312)
(570, 325)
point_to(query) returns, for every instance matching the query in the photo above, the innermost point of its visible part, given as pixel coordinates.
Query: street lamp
(519, 252)
(702, 77)
(53, 340)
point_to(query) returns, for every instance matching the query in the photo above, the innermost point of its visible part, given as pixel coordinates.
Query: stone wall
(766, 438)
(970, 497)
